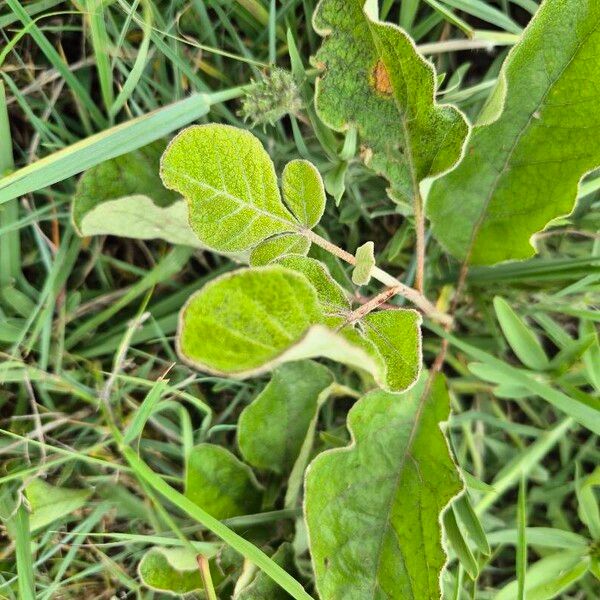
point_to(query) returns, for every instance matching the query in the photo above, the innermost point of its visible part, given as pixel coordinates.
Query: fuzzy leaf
(373, 78)
(271, 429)
(365, 261)
(221, 484)
(132, 174)
(332, 297)
(522, 167)
(248, 322)
(270, 250)
(174, 571)
(397, 336)
(303, 191)
(230, 184)
(49, 503)
(373, 508)
(140, 218)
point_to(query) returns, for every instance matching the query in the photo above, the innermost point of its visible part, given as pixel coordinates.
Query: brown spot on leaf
(381, 78)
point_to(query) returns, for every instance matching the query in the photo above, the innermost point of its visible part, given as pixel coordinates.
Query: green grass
(87, 326)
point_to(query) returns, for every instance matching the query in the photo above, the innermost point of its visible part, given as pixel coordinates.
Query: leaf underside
(373, 78)
(522, 169)
(373, 508)
(132, 174)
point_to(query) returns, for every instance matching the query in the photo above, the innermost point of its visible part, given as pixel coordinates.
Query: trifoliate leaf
(522, 168)
(221, 484)
(49, 503)
(272, 428)
(140, 218)
(132, 174)
(279, 245)
(303, 191)
(248, 322)
(397, 336)
(229, 182)
(373, 508)
(174, 571)
(365, 261)
(373, 78)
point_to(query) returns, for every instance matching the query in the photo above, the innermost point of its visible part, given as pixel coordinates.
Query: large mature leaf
(231, 187)
(373, 78)
(373, 508)
(250, 321)
(522, 167)
(272, 428)
(221, 484)
(132, 174)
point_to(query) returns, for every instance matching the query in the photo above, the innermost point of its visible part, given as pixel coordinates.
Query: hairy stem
(416, 297)
(420, 233)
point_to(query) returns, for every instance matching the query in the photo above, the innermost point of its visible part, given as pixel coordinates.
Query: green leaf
(229, 182)
(365, 261)
(374, 79)
(49, 503)
(397, 336)
(132, 174)
(248, 322)
(140, 218)
(522, 340)
(263, 587)
(271, 249)
(522, 167)
(459, 544)
(272, 428)
(303, 191)
(174, 571)
(332, 297)
(373, 508)
(221, 484)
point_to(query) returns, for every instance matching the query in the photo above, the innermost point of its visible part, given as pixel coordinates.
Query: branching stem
(416, 297)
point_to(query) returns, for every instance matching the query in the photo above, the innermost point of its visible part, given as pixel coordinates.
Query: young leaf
(397, 336)
(263, 587)
(287, 243)
(132, 174)
(271, 429)
(303, 192)
(173, 571)
(459, 544)
(374, 79)
(365, 261)
(230, 185)
(248, 322)
(522, 168)
(522, 340)
(373, 508)
(221, 484)
(332, 297)
(49, 503)
(140, 218)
